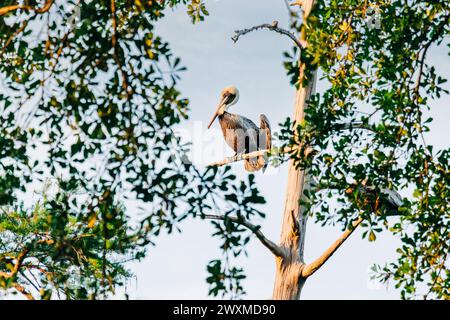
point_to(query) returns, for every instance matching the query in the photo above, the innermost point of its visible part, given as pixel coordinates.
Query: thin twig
(425, 48)
(19, 260)
(22, 273)
(23, 291)
(59, 52)
(272, 27)
(45, 8)
(352, 125)
(11, 38)
(273, 247)
(441, 267)
(115, 46)
(440, 29)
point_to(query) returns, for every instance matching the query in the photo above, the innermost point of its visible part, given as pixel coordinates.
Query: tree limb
(239, 157)
(11, 38)
(312, 267)
(351, 125)
(23, 291)
(8, 9)
(19, 260)
(273, 247)
(273, 27)
(245, 156)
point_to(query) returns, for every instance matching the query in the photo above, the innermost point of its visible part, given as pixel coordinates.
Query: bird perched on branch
(240, 133)
(393, 200)
(390, 199)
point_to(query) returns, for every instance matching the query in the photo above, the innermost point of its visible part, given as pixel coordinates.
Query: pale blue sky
(176, 267)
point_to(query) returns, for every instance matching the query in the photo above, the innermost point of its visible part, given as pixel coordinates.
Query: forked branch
(312, 267)
(273, 247)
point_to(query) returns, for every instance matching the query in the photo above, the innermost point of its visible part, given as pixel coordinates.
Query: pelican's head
(229, 96)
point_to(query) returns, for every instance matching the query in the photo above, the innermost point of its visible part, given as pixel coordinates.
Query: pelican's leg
(230, 159)
(238, 156)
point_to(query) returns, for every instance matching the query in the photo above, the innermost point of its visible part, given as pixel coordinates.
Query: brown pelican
(240, 133)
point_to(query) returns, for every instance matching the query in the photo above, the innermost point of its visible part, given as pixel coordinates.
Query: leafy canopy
(368, 130)
(88, 104)
(89, 98)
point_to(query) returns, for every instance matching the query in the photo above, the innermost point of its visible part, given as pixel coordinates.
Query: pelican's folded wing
(265, 135)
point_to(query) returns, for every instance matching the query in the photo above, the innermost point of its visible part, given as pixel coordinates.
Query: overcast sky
(176, 267)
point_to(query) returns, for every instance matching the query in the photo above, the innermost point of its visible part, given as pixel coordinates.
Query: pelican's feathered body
(240, 133)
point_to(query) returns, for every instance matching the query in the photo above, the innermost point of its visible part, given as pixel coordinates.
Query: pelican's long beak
(221, 104)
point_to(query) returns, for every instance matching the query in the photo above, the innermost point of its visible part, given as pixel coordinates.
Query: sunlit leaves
(197, 10)
(91, 100)
(367, 129)
(68, 253)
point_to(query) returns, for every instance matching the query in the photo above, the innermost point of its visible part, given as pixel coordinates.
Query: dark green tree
(89, 102)
(363, 138)
(354, 145)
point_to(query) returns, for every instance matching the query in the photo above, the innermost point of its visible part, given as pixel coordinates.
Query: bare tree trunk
(291, 270)
(288, 280)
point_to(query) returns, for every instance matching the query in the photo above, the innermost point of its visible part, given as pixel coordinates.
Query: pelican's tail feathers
(266, 133)
(265, 138)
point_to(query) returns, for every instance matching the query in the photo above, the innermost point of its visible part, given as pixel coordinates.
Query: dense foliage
(88, 104)
(368, 128)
